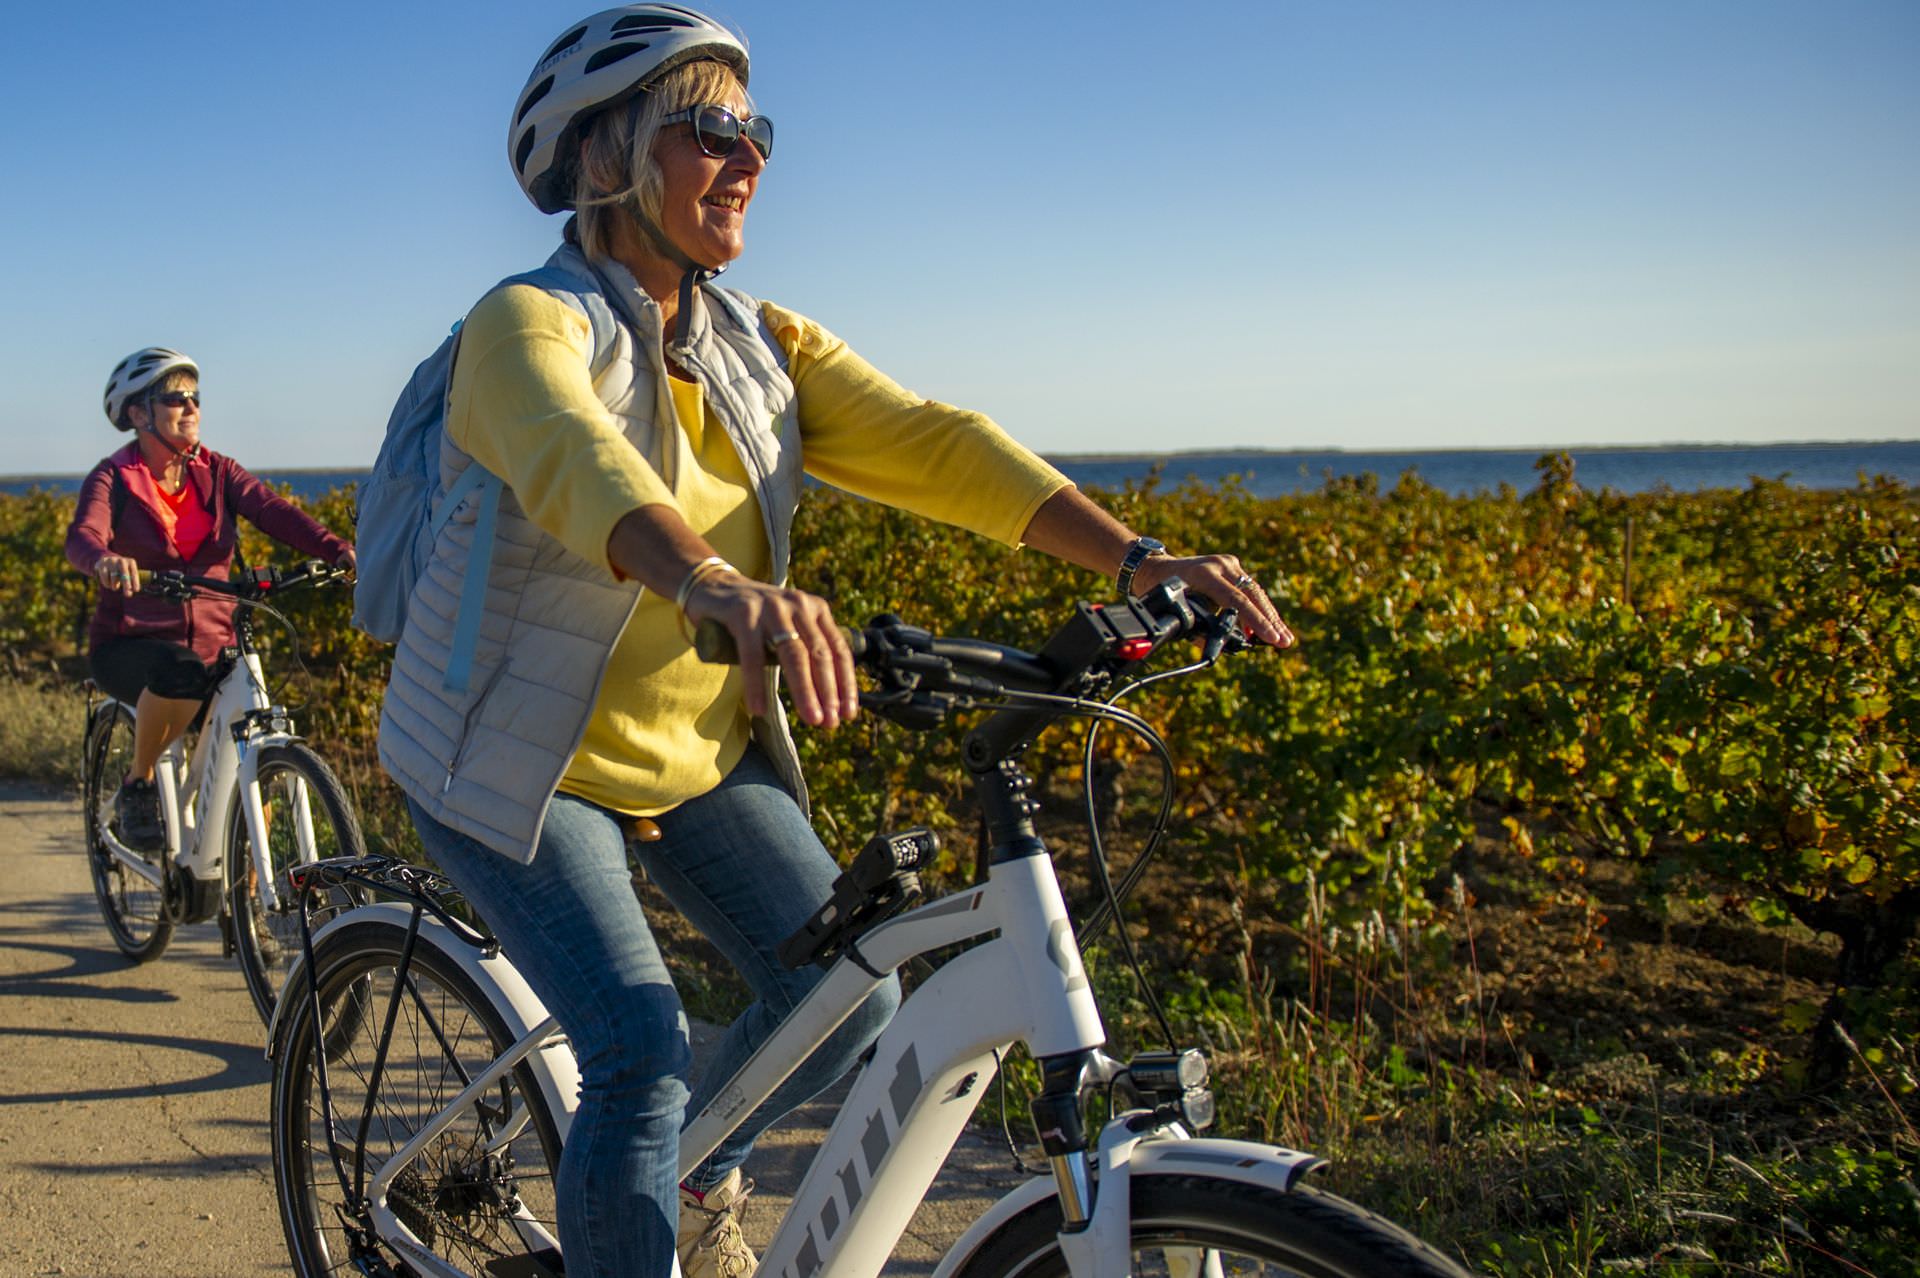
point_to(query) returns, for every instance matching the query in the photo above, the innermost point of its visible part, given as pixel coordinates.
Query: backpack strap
(117, 495)
(474, 481)
(484, 486)
(473, 590)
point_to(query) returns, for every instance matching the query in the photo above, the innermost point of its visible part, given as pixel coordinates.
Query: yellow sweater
(667, 727)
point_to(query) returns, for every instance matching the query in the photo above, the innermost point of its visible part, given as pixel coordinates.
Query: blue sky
(1112, 226)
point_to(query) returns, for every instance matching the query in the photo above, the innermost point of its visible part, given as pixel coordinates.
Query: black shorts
(126, 667)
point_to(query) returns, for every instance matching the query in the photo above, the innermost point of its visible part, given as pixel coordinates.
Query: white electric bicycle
(422, 1094)
(253, 802)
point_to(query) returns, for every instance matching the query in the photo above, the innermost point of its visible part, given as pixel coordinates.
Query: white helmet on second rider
(598, 63)
(138, 371)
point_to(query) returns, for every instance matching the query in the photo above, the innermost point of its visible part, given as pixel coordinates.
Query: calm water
(1626, 470)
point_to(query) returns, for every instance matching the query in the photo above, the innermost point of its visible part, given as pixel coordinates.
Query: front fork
(255, 731)
(1063, 1134)
(1096, 1213)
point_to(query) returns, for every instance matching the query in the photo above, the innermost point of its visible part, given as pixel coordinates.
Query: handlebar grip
(713, 643)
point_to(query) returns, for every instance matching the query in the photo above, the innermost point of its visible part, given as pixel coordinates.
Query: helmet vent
(534, 95)
(564, 43)
(612, 54)
(650, 22)
(521, 152)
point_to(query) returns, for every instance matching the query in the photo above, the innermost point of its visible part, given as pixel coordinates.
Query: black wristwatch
(1142, 549)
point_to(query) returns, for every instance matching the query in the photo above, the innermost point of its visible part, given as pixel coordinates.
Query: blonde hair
(617, 175)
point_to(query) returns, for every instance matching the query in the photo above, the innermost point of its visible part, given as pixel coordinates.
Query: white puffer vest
(486, 761)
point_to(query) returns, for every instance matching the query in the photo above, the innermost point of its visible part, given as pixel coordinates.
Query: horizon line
(1250, 451)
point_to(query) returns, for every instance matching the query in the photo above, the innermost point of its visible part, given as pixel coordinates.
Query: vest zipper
(466, 722)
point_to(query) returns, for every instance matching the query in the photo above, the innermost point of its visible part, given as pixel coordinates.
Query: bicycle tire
(135, 910)
(1254, 1229)
(292, 778)
(452, 1197)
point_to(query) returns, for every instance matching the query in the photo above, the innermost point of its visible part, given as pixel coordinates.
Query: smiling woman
(165, 503)
(623, 176)
(654, 432)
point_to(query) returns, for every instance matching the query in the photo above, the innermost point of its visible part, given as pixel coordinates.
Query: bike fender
(1245, 1161)
(1167, 1153)
(1024, 1196)
(553, 1065)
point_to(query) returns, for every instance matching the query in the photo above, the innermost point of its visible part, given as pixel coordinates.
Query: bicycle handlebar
(259, 583)
(922, 675)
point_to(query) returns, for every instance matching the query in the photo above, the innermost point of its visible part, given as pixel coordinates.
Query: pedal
(228, 946)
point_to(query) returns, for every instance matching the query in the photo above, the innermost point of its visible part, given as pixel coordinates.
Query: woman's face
(173, 414)
(704, 209)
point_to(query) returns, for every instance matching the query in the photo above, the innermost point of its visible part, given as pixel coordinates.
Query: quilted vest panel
(486, 761)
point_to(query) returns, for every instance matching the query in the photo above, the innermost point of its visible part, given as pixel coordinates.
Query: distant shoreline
(1201, 454)
(1205, 454)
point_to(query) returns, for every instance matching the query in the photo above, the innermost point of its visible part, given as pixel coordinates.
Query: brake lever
(1224, 632)
(917, 711)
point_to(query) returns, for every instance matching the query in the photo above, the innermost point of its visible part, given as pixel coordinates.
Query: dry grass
(40, 729)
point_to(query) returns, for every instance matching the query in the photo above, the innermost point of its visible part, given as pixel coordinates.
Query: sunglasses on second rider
(178, 399)
(718, 130)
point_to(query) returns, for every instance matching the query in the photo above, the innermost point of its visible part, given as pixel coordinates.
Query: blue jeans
(743, 865)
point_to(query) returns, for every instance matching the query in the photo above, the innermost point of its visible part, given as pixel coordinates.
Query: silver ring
(1244, 580)
(783, 637)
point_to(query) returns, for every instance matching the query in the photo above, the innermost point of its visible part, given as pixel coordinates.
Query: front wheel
(308, 818)
(129, 884)
(1200, 1227)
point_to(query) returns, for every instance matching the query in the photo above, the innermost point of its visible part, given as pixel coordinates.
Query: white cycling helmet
(600, 62)
(137, 372)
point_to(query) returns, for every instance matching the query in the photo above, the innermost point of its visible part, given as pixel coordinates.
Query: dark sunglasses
(178, 399)
(719, 130)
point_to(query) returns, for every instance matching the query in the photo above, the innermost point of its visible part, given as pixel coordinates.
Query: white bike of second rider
(252, 801)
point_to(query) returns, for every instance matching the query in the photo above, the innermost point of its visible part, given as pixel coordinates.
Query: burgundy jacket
(112, 517)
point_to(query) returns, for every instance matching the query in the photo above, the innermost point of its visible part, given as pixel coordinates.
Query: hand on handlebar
(117, 572)
(1222, 581)
(798, 628)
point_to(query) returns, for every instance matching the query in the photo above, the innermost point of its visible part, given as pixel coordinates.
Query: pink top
(121, 511)
(182, 513)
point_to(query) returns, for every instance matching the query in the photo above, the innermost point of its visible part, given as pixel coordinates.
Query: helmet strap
(692, 273)
(184, 454)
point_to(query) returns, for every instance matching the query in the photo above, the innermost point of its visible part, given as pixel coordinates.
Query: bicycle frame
(196, 797)
(929, 1068)
(928, 1073)
(1021, 979)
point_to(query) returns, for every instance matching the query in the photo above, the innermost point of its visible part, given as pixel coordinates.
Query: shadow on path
(239, 1065)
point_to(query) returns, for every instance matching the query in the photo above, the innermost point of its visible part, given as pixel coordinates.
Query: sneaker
(265, 943)
(136, 810)
(710, 1242)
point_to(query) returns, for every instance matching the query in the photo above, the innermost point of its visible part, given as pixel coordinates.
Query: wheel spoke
(472, 1194)
(128, 884)
(306, 816)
